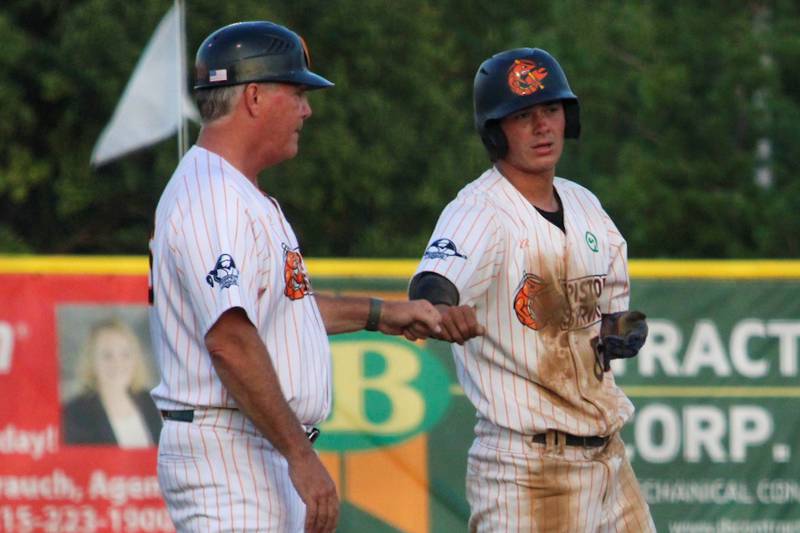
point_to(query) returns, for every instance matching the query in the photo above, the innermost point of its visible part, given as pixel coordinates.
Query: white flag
(155, 100)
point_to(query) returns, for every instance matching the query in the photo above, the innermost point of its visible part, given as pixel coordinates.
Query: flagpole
(181, 50)
(145, 114)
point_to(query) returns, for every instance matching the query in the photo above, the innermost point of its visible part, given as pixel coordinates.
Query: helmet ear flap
(494, 140)
(572, 115)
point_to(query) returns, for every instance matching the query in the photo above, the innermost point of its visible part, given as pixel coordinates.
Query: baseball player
(238, 332)
(530, 275)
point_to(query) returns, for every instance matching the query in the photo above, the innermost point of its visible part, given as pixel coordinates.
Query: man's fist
(459, 323)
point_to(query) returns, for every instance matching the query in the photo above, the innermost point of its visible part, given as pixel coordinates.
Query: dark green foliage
(675, 97)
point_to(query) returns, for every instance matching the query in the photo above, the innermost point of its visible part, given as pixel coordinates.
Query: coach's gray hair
(216, 103)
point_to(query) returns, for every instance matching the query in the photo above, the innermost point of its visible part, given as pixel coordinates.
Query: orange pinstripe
(207, 210)
(525, 381)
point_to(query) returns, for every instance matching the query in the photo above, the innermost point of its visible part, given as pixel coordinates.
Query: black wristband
(375, 305)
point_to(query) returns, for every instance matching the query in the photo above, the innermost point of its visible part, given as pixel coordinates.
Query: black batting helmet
(257, 51)
(513, 80)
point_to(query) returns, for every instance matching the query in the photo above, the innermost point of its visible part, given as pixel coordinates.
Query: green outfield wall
(715, 441)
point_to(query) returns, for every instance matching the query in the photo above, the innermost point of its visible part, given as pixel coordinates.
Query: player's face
(287, 109)
(535, 138)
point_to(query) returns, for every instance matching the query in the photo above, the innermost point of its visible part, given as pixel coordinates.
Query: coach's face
(535, 138)
(286, 110)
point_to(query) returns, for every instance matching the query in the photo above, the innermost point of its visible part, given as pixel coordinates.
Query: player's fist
(415, 319)
(459, 323)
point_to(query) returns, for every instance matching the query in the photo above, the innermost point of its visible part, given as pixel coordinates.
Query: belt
(187, 415)
(179, 416)
(575, 440)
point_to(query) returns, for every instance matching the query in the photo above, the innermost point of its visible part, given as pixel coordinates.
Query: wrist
(374, 315)
(301, 453)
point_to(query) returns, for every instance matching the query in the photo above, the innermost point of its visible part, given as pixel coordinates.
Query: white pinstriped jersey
(540, 294)
(219, 243)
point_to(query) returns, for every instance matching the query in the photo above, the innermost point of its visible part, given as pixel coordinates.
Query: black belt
(187, 415)
(179, 416)
(575, 440)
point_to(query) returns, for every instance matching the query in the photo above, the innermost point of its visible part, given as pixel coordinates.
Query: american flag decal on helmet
(218, 75)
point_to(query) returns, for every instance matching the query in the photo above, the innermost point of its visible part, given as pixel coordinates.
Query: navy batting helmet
(516, 79)
(257, 51)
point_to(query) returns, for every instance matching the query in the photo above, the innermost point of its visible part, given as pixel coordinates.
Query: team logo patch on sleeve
(442, 249)
(225, 274)
(294, 273)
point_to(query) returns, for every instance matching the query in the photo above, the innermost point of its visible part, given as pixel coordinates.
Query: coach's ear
(254, 99)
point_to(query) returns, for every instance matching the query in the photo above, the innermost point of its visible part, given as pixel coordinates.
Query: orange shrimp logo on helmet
(294, 273)
(525, 305)
(525, 78)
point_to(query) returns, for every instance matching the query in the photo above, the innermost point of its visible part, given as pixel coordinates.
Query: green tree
(675, 98)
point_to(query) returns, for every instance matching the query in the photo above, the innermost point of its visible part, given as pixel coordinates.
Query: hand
(623, 335)
(459, 323)
(415, 319)
(318, 492)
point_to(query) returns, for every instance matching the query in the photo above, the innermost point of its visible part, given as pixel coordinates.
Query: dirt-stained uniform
(534, 377)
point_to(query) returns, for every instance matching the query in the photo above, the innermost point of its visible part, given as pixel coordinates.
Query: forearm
(245, 368)
(414, 319)
(343, 314)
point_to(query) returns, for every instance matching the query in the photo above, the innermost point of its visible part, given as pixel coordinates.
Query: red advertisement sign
(75, 454)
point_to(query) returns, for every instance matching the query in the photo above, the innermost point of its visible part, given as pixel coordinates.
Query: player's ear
(253, 99)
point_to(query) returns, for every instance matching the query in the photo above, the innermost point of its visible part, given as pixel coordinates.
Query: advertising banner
(715, 441)
(59, 476)
(716, 436)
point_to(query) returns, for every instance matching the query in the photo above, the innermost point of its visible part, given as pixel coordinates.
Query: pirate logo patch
(294, 274)
(225, 274)
(442, 249)
(525, 78)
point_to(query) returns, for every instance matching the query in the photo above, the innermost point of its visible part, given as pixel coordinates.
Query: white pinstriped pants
(516, 485)
(218, 473)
